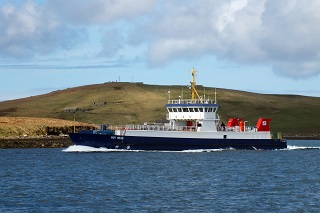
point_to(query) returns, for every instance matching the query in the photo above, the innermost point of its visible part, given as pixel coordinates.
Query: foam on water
(197, 150)
(79, 148)
(292, 147)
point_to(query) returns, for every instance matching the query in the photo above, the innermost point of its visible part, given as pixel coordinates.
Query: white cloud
(290, 37)
(99, 11)
(281, 34)
(112, 42)
(30, 29)
(227, 13)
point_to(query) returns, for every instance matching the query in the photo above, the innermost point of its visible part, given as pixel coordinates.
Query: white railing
(237, 129)
(159, 127)
(190, 101)
(153, 127)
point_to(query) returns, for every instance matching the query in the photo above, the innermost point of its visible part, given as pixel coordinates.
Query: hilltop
(121, 103)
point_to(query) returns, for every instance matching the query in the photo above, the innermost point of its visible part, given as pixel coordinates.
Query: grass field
(122, 103)
(31, 126)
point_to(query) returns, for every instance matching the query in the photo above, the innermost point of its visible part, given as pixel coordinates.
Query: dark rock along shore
(40, 142)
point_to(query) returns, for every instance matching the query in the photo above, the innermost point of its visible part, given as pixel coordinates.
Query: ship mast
(193, 86)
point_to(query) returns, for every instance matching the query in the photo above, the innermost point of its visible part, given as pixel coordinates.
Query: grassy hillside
(30, 126)
(121, 103)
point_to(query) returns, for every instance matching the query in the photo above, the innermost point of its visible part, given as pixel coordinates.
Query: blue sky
(262, 46)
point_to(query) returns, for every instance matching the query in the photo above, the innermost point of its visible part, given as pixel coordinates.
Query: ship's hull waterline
(172, 144)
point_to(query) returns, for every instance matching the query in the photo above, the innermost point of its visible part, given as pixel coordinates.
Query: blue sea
(84, 179)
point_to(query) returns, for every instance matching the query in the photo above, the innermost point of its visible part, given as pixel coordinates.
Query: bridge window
(170, 109)
(201, 109)
(196, 109)
(175, 109)
(179, 110)
(190, 109)
(185, 110)
(210, 109)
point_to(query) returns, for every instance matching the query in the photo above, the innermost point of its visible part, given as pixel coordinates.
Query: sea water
(84, 179)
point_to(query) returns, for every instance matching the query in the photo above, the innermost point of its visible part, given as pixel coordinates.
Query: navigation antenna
(193, 86)
(215, 95)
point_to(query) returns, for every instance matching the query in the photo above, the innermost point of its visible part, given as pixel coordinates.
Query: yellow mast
(193, 85)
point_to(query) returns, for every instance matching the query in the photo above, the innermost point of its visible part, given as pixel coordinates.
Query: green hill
(122, 103)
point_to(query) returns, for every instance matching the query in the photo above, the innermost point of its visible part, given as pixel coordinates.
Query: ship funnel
(263, 124)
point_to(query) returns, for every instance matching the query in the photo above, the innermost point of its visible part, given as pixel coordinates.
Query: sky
(261, 46)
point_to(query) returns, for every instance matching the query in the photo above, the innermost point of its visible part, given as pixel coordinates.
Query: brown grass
(28, 126)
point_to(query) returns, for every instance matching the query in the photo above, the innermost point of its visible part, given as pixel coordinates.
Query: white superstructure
(197, 118)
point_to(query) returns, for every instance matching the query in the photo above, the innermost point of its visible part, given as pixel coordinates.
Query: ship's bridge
(197, 114)
(188, 109)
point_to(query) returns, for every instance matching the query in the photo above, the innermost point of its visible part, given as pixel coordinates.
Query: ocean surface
(84, 179)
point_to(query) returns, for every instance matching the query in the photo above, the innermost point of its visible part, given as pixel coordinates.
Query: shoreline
(301, 137)
(35, 142)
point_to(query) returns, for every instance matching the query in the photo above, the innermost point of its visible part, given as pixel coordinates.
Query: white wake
(78, 148)
(292, 147)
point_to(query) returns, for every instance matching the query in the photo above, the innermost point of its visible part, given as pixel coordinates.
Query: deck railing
(159, 127)
(237, 129)
(190, 101)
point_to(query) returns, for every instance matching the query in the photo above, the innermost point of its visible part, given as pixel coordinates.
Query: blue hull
(171, 144)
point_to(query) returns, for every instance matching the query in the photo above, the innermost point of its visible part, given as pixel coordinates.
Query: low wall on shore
(298, 136)
(40, 142)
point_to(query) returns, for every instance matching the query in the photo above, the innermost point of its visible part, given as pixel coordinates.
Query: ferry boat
(193, 124)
